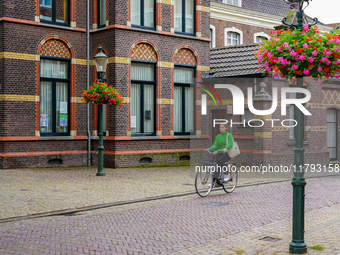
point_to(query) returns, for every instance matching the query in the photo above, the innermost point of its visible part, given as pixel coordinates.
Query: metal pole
(100, 143)
(298, 246)
(88, 81)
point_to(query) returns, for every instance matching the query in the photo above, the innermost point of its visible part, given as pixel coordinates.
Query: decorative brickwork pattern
(55, 48)
(144, 51)
(331, 97)
(185, 57)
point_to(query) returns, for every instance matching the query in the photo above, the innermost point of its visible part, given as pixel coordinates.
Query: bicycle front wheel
(203, 183)
(230, 185)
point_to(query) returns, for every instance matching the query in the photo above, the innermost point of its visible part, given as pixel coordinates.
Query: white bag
(233, 151)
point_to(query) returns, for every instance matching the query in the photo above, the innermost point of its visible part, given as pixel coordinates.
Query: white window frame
(213, 38)
(235, 30)
(261, 34)
(45, 5)
(239, 3)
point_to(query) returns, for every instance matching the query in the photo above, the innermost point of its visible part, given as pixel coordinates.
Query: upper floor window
(143, 13)
(101, 13)
(212, 36)
(56, 11)
(260, 39)
(234, 2)
(185, 16)
(54, 97)
(233, 38)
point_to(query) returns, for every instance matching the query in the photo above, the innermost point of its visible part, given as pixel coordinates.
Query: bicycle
(204, 181)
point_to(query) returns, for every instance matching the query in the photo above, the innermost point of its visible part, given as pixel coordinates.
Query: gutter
(88, 80)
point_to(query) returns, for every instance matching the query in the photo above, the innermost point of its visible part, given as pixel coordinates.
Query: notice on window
(63, 120)
(133, 122)
(43, 120)
(63, 107)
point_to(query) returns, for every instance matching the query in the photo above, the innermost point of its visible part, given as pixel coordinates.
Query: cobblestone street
(221, 223)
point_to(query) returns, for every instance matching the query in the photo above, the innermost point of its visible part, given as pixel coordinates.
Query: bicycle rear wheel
(203, 183)
(231, 184)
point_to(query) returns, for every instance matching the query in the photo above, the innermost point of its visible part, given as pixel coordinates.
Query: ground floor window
(332, 131)
(143, 94)
(184, 99)
(54, 97)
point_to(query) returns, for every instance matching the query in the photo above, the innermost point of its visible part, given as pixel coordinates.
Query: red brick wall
(248, 31)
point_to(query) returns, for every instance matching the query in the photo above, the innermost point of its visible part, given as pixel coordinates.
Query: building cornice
(241, 15)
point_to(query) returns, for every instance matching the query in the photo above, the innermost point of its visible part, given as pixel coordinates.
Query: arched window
(54, 88)
(143, 90)
(212, 36)
(233, 36)
(332, 133)
(260, 37)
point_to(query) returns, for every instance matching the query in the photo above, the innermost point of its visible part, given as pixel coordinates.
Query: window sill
(66, 27)
(55, 138)
(291, 143)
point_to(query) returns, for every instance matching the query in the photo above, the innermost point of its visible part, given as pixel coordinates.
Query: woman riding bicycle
(223, 142)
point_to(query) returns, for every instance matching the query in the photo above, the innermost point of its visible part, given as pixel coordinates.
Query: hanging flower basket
(101, 93)
(306, 53)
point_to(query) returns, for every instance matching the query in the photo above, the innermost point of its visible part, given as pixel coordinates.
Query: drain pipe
(88, 80)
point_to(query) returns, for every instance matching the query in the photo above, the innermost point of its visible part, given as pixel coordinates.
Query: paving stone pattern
(167, 227)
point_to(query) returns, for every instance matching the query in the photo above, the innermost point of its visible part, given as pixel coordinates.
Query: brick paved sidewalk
(218, 224)
(32, 191)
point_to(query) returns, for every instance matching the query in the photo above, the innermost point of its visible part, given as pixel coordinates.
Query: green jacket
(221, 142)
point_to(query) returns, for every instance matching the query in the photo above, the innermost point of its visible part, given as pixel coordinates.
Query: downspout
(88, 80)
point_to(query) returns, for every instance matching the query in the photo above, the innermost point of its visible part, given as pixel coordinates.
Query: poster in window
(63, 107)
(43, 120)
(133, 122)
(63, 120)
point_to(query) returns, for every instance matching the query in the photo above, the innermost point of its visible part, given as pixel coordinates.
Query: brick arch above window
(55, 48)
(185, 57)
(143, 51)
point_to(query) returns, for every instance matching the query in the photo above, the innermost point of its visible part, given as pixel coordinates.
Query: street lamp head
(101, 60)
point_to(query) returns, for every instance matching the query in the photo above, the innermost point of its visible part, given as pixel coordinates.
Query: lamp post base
(297, 248)
(100, 174)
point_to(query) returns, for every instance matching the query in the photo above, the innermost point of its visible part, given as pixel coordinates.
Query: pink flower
(292, 53)
(319, 69)
(270, 55)
(297, 58)
(305, 46)
(338, 61)
(336, 48)
(327, 52)
(280, 58)
(286, 45)
(305, 72)
(295, 67)
(305, 27)
(259, 69)
(311, 60)
(278, 49)
(337, 41)
(302, 57)
(328, 62)
(268, 69)
(324, 59)
(314, 53)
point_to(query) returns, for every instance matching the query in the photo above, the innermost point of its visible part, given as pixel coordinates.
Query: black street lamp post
(101, 61)
(298, 246)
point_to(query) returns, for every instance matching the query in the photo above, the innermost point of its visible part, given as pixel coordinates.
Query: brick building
(236, 28)
(155, 49)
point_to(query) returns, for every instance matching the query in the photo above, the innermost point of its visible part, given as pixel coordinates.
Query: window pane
(46, 107)
(148, 109)
(178, 15)
(135, 12)
(45, 10)
(235, 2)
(189, 113)
(178, 109)
(142, 72)
(135, 108)
(183, 75)
(61, 107)
(61, 11)
(54, 69)
(149, 13)
(102, 12)
(189, 16)
(331, 116)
